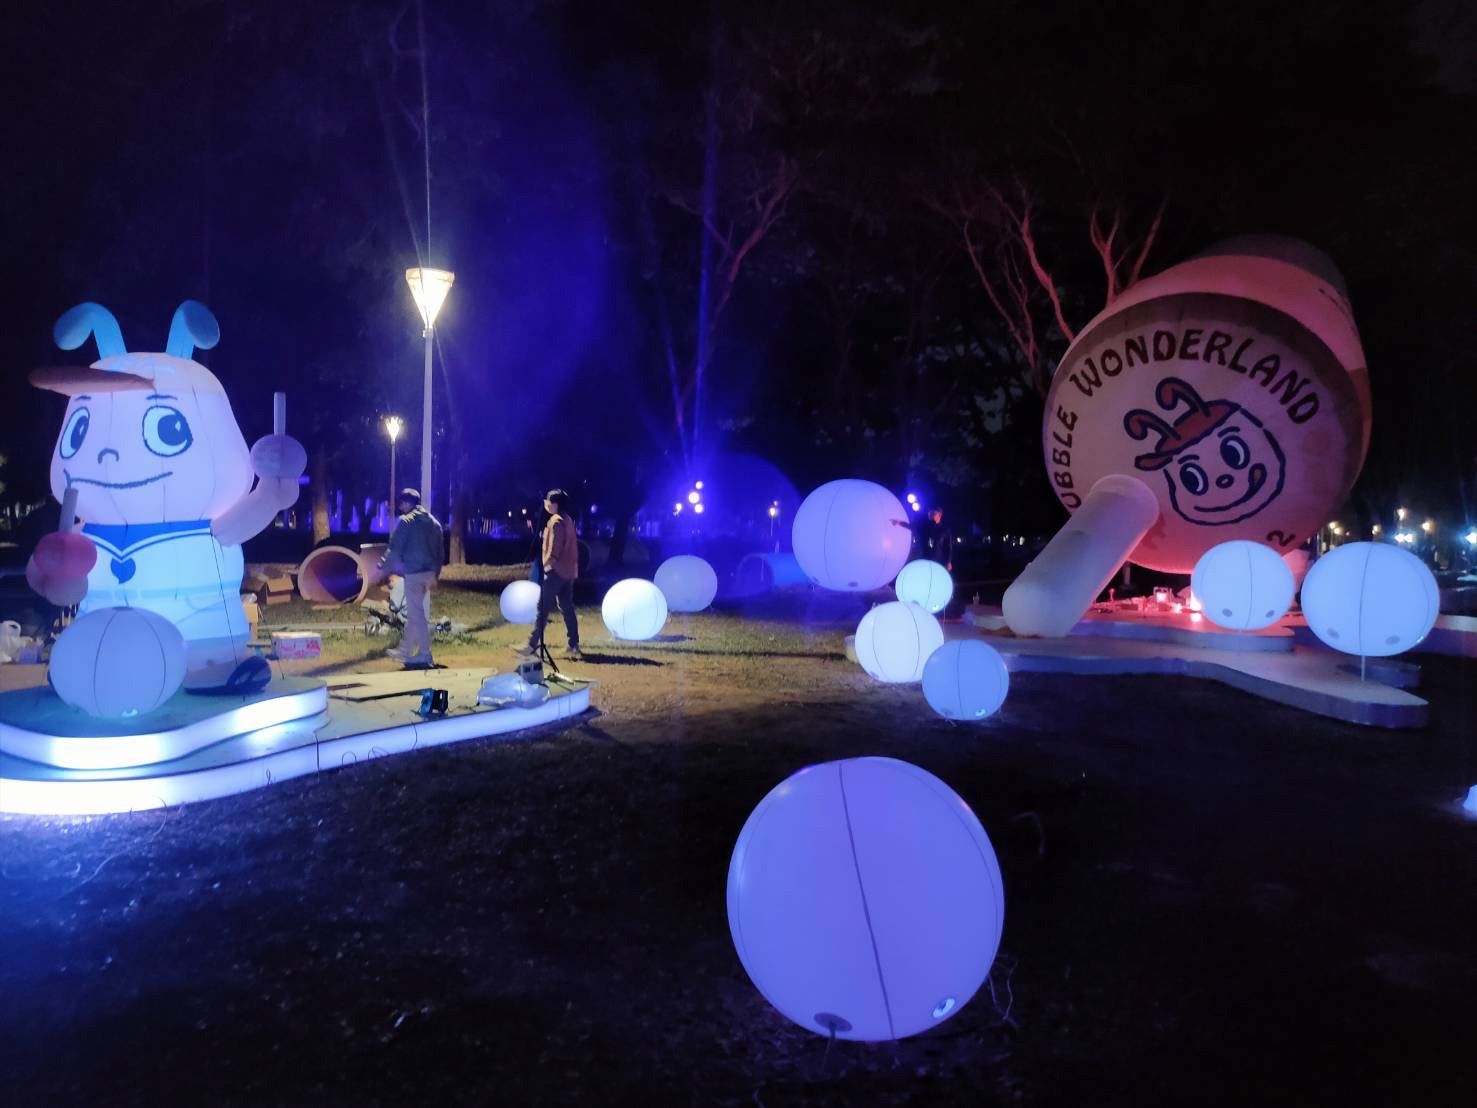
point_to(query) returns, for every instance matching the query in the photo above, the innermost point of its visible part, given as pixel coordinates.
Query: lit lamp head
(429, 287)
(393, 426)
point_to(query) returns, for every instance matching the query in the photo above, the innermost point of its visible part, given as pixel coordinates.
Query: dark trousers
(554, 589)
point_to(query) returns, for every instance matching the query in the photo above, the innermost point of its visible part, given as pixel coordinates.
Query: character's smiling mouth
(1256, 477)
(116, 484)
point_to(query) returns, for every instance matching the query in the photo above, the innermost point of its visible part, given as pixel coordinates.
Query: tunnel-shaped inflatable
(333, 575)
(1232, 387)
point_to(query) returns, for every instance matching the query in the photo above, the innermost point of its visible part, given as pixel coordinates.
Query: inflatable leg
(1060, 584)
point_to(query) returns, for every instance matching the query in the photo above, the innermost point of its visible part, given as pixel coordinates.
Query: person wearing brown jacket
(561, 567)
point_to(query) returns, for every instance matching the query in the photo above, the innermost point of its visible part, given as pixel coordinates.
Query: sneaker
(396, 653)
(419, 665)
(526, 650)
(574, 655)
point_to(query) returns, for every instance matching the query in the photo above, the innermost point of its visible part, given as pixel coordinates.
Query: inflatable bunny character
(165, 487)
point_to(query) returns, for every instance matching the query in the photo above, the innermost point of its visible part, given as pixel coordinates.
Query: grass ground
(1209, 900)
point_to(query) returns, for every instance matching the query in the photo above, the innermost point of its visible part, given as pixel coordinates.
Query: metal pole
(394, 449)
(426, 431)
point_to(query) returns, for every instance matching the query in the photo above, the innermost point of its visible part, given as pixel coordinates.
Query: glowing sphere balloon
(1370, 599)
(688, 583)
(965, 680)
(1243, 585)
(519, 602)
(851, 536)
(926, 584)
(118, 662)
(634, 609)
(864, 899)
(894, 640)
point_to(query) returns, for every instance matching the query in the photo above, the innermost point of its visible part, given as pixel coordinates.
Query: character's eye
(166, 431)
(1193, 478)
(1234, 452)
(74, 432)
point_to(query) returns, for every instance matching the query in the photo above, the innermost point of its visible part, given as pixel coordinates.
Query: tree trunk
(320, 496)
(623, 520)
(457, 525)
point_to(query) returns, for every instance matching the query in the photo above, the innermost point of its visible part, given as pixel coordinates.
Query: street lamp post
(429, 288)
(393, 426)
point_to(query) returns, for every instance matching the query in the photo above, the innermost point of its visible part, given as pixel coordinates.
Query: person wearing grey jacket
(416, 553)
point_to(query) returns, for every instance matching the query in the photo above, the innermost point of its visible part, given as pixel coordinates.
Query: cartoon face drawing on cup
(165, 486)
(1221, 463)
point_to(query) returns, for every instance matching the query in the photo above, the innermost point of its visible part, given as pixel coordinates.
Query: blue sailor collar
(121, 538)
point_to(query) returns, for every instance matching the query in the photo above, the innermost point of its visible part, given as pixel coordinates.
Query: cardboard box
(296, 644)
(276, 585)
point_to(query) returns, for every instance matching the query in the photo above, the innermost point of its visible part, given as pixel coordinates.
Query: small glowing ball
(851, 536)
(894, 640)
(926, 584)
(634, 609)
(688, 583)
(864, 899)
(965, 680)
(118, 662)
(519, 602)
(1243, 585)
(1370, 599)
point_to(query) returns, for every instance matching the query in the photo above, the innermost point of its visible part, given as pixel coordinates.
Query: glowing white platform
(1314, 680)
(37, 726)
(351, 729)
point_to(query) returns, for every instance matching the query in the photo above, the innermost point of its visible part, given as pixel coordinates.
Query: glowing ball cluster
(118, 662)
(519, 602)
(965, 680)
(688, 583)
(1370, 599)
(851, 536)
(634, 609)
(864, 899)
(926, 584)
(894, 640)
(1243, 585)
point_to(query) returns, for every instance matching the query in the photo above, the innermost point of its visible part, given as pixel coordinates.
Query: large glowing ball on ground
(864, 899)
(118, 662)
(894, 640)
(1242, 585)
(634, 609)
(965, 680)
(519, 602)
(1370, 599)
(851, 536)
(926, 584)
(688, 583)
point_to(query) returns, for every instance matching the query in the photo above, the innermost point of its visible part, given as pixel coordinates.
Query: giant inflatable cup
(1233, 388)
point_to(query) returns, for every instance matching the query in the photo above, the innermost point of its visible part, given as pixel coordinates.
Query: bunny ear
(193, 326)
(1138, 423)
(1172, 390)
(85, 319)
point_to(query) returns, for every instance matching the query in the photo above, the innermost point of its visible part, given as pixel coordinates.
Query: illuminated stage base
(311, 728)
(1274, 664)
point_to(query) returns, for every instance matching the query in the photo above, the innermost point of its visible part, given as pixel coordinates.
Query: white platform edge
(105, 796)
(128, 751)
